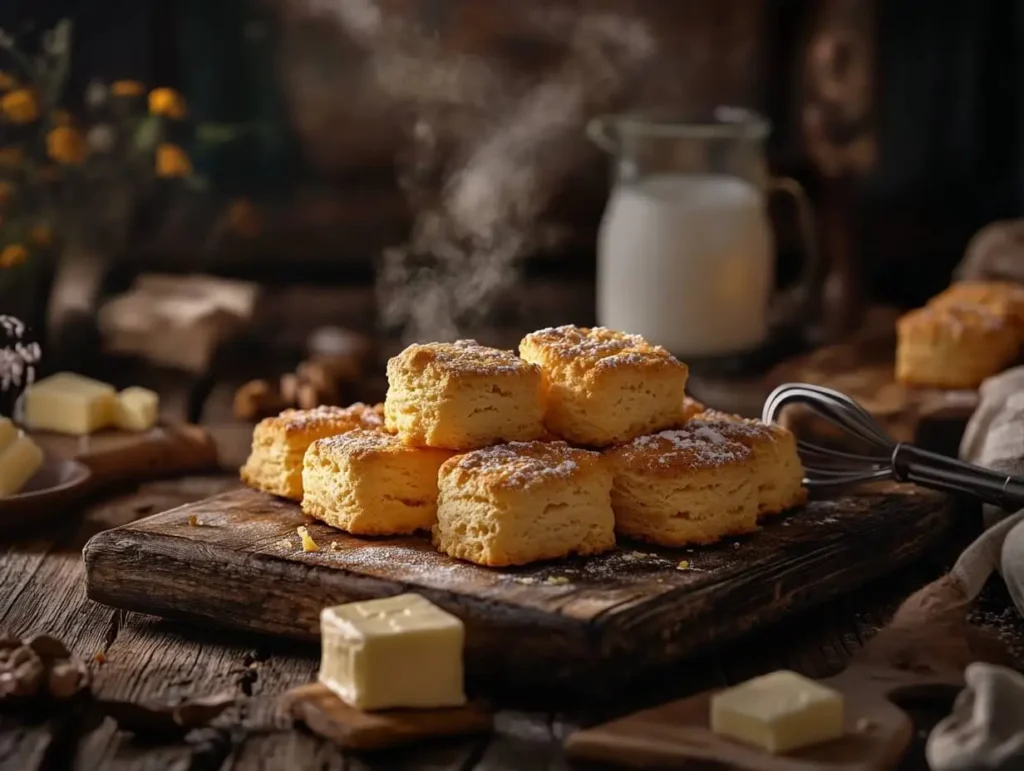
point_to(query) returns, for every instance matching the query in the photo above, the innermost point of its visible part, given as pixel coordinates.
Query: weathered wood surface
(42, 589)
(587, 624)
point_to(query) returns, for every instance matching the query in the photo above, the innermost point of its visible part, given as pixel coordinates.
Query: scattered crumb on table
(308, 544)
(557, 580)
(193, 520)
(684, 565)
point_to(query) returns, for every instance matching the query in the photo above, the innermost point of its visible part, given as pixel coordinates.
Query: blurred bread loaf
(951, 345)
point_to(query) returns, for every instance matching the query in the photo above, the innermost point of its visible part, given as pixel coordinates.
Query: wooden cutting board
(583, 624)
(877, 733)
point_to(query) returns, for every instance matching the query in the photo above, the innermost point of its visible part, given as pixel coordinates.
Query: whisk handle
(938, 472)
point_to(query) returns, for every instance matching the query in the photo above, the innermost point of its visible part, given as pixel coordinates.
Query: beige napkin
(986, 729)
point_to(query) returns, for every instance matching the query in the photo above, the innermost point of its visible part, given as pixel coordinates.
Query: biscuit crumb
(335, 546)
(308, 544)
(557, 580)
(193, 520)
(864, 725)
(284, 543)
(526, 580)
(684, 565)
(100, 657)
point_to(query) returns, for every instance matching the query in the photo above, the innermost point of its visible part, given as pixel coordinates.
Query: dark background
(948, 81)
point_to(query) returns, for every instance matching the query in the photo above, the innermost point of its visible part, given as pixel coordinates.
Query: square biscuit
(371, 483)
(524, 502)
(279, 443)
(463, 396)
(606, 387)
(954, 346)
(776, 468)
(692, 485)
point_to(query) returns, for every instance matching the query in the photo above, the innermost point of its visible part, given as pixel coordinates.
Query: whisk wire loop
(827, 467)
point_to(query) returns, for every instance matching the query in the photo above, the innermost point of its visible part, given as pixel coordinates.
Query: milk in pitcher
(687, 261)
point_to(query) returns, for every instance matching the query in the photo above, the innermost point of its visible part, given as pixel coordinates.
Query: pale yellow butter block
(18, 463)
(8, 433)
(778, 712)
(137, 409)
(70, 404)
(400, 651)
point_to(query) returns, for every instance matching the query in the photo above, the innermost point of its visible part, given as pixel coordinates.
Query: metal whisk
(888, 459)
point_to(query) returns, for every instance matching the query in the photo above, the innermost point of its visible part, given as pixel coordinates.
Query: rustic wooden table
(143, 658)
(147, 659)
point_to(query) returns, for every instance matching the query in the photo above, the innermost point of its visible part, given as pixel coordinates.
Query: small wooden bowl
(57, 482)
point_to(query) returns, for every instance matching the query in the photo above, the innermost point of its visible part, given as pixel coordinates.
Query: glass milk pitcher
(686, 253)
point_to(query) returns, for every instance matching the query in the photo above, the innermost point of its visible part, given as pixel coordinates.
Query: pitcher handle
(800, 312)
(601, 131)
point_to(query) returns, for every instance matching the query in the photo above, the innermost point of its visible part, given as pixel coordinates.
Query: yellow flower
(41, 235)
(127, 88)
(12, 255)
(171, 161)
(10, 156)
(63, 118)
(7, 81)
(65, 145)
(6, 193)
(20, 105)
(167, 102)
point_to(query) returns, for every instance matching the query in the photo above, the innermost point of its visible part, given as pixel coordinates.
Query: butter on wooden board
(137, 409)
(20, 458)
(778, 712)
(70, 404)
(401, 651)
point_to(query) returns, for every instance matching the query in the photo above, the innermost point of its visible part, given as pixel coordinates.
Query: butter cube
(137, 409)
(401, 651)
(70, 404)
(779, 712)
(19, 461)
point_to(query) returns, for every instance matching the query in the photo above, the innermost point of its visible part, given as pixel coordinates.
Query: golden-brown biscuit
(523, 502)
(278, 444)
(371, 483)
(605, 387)
(691, 485)
(776, 466)
(953, 345)
(463, 396)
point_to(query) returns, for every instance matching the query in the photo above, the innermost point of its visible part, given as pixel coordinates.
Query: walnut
(67, 678)
(257, 399)
(38, 668)
(21, 672)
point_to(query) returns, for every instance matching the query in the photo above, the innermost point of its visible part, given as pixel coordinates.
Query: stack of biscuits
(511, 459)
(969, 332)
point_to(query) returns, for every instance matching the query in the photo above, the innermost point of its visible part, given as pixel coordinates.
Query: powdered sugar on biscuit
(522, 464)
(689, 447)
(604, 347)
(357, 415)
(463, 356)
